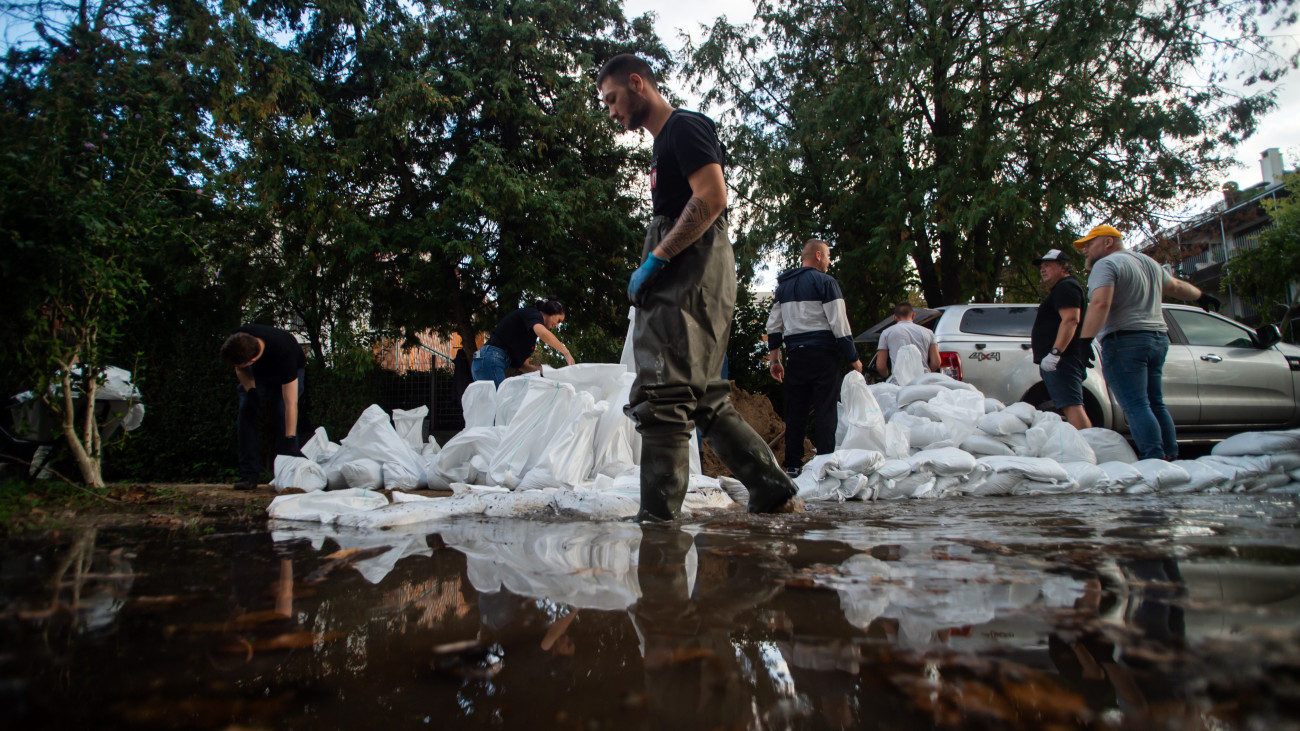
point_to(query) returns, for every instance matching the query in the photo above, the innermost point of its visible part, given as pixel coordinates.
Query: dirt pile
(757, 411)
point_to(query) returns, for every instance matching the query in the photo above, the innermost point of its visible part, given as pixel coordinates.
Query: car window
(1203, 329)
(1005, 321)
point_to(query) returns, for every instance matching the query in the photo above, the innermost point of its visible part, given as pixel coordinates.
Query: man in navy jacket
(808, 317)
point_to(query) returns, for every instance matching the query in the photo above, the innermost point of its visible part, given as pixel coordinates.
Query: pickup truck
(1220, 376)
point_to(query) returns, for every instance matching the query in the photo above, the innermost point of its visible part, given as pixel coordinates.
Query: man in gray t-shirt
(905, 332)
(1124, 290)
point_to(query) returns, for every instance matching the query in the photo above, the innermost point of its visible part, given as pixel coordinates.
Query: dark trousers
(812, 383)
(250, 448)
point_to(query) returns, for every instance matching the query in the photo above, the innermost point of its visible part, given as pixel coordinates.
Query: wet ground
(1059, 612)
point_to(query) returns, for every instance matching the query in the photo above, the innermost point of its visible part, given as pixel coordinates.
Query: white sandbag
(519, 504)
(1023, 410)
(436, 480)
(1035, 488)
(1258, 442)
(479, 404)
(510, 396)
(948, 462)
(942, 379)
(1161, 475)
(1203, 477)
(1006, 473)
(985, 446)
(1108, 446)
(1268, 482)
(319, 448)
(409, 425)
(1042, 418)
(864, 420)
(373, 437)
(701, 498)
(921, 432)
(906, 365)
(914, 392)
(601, 380)
(362, 474)
(1295, 475)
(861, 461)
(456, 460)
(1284, 461)
(324, 507)
(960, 411)
(1119, 476)
(1238, 469)
(398, 476)
(570, 455)
(1019, 444)
(430, 448)
(923, 410)
(886, 395)
(914, 485)
(1059, 441)
(597, 505)
(414, 512)
(617, 443)
(1001, 423)
(991, 405)
(547, 407)
(1087, 476)
(298, 472)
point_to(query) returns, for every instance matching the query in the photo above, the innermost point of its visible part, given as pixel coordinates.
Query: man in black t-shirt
(684, 292)
(1061, 355)
(271, 369)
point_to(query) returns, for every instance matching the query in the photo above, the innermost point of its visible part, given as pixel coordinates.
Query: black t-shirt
(282, 356)
(1066, 294)
(514, 334)
(687, 142)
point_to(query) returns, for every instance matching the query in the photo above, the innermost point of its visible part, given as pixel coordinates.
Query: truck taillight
(950, 365)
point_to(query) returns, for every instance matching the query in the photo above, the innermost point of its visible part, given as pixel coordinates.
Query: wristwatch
(1056, 351)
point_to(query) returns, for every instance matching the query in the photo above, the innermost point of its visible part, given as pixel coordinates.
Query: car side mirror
(1268, 336)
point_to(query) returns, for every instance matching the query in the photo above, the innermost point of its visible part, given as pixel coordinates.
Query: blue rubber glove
(643, 277)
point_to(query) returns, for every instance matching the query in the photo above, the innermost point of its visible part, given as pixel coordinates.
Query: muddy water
(1068, 612)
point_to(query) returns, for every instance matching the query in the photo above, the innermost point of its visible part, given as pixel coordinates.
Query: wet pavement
(1056, 612)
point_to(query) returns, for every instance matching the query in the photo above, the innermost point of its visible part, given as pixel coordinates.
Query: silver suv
(1220, 377)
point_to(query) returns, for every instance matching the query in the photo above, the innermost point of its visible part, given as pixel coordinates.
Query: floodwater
(1056, 612)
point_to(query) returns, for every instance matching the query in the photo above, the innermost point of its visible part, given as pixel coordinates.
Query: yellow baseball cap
(1102, 230)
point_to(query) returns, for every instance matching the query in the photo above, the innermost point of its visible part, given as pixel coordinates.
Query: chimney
(1231, 194)
(1270, 164)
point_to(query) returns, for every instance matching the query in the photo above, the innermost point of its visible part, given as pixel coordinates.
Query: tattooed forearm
(695, 220)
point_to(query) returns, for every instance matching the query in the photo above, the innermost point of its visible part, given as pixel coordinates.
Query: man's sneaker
(793, 472)
(246, 485)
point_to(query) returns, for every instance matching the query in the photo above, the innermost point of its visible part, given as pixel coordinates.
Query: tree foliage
(948, 140)
(1270, 271)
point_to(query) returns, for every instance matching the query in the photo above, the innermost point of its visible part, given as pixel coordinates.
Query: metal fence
(438, 387)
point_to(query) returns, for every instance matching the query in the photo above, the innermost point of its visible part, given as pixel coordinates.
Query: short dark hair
(623, 65)
(239, 348)
(903, 309)
(550, 306)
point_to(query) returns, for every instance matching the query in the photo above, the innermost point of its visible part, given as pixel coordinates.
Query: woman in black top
(514, 339)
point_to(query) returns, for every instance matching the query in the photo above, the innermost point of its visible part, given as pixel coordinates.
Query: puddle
(1068, 612)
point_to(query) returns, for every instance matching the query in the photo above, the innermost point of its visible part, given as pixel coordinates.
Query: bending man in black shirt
(270, 366)
(684, 292)
(1061, 355)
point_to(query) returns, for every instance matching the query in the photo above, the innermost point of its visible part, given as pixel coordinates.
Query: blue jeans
(250, 450)
(1132, 364)
(490, 364)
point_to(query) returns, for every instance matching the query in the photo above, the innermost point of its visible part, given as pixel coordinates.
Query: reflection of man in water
(691, 671)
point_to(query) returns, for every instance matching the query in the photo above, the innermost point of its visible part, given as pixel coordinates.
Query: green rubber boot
(665, 473)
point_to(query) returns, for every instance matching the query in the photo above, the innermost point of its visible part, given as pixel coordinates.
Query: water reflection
(986, 621)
